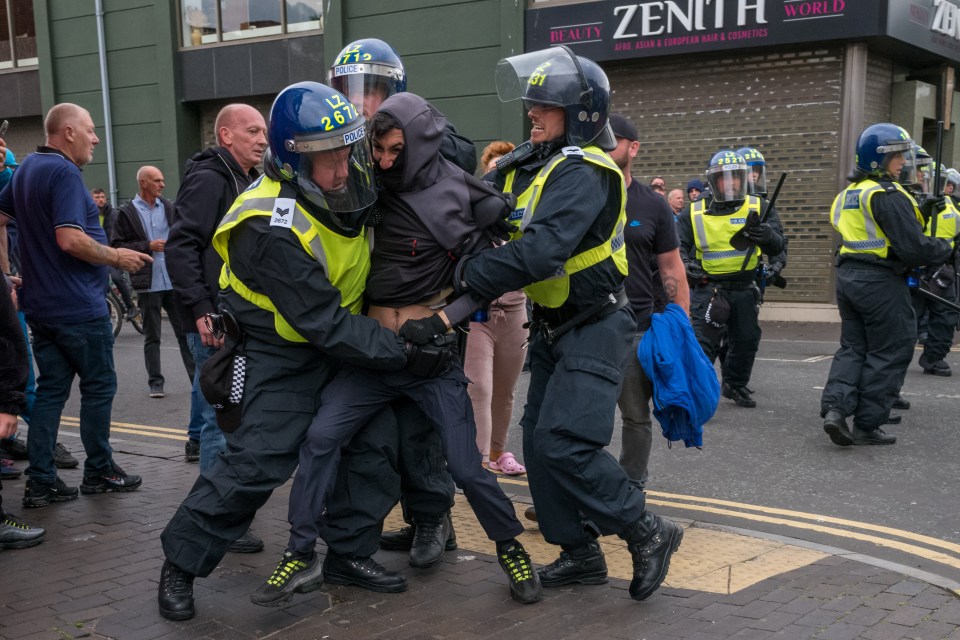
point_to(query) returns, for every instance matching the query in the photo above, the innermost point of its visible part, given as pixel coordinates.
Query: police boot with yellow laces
(651, 541)
(582, 564)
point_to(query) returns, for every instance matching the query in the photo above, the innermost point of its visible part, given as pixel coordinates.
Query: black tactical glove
(695, 272)
(932, 206)
(773, 270)
(430, 360)
(424, 330)
(760, 233)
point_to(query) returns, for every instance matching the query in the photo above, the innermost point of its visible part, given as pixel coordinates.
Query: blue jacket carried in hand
(685, 386)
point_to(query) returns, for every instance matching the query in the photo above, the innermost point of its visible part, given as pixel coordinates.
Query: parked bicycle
(119, 311)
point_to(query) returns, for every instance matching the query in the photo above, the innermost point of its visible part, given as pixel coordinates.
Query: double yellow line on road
(138, 429)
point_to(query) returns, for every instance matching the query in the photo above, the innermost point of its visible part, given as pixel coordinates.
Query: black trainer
(366, 573)
(429, 542)
(117, 480)
(18, 535)
(739, 395)
(175, 593)
(191, 451)
(651, 543)
(295, 574)
(876, 436)
(585, 566)
(938, 368)
(16, 447)
(525, 584)
(40, 494)
(247, 543)
(62, 458)
(8, 470)
(836, 427)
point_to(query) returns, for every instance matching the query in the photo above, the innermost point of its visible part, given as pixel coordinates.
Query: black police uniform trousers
(877, 332)
(350, 400)
(742, 330)
(941, 320)
(567, 422)
(281, 396)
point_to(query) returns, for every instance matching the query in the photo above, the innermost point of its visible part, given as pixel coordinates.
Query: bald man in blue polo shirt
(64, 259)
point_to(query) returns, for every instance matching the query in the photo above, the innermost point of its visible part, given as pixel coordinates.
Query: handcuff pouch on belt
(223, 374)
(552, 324)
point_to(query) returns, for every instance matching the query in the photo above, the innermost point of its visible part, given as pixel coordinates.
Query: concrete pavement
(96, 574)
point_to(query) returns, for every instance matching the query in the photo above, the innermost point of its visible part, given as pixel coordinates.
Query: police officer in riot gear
(567, 252)
(757, 186)
(296, 257)
(724, 277)
(881, 229)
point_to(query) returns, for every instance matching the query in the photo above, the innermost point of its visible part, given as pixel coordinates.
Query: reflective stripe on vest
(553, 292)
(852, 216)
(345, 261)
(946, 224)
(712, 233)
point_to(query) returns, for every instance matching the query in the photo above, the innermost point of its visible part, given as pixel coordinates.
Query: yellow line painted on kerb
(655, 498)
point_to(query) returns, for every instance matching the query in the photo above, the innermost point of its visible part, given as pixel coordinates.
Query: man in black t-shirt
(652, 243)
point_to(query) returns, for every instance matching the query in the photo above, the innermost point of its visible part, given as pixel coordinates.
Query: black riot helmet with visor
(555, 77)
(757, 175)
(920, 168)
(727, 177)
(368, 71)
(318, 143)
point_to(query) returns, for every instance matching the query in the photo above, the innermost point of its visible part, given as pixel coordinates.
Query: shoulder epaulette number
(572, 152)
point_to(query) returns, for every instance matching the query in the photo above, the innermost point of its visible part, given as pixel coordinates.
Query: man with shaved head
(64, 260)
(143, 224)
(211, 182)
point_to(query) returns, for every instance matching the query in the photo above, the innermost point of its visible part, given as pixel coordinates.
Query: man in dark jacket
(212, 181)
(143, 225)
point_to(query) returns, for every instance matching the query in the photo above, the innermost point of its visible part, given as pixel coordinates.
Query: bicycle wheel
(137, 322)
(116, 313)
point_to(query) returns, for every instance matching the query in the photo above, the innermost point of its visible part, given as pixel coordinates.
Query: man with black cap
(653, 256)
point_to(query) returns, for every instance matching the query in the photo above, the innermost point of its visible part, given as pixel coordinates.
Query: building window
(211, 21)
(18, 35)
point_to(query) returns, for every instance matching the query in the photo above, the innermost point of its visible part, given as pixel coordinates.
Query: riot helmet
(368, 72)
(883, 149)
(757, 171)
(317, 142)
(952, 182)
(557, 78)
(727, 177)
(923, 171)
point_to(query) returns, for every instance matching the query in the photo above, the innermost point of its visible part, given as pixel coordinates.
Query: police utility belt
(552, 324)
(731, 285)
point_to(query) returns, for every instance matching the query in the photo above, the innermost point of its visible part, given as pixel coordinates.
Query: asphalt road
(771, 468)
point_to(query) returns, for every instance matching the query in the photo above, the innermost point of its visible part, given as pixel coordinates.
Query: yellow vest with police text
(553, 292)
(946, 224)
(712, 234)
(852, 216)
(345, 260)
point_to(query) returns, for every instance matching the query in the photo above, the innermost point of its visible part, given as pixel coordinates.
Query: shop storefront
(798, 79)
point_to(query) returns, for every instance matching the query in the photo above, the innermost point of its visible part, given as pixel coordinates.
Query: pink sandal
(508, 465)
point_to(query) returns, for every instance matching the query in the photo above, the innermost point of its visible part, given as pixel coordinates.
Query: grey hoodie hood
(458, 209)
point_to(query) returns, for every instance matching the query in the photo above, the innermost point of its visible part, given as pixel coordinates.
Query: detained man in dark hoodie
(430, 213)
(211, 182)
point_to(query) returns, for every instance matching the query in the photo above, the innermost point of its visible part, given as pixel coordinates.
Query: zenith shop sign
(612, 29)
(946, 18)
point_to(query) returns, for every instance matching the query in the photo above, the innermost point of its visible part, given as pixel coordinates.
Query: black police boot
(530, 513)
(836, 427)
(876, 436)
(739, 395)
(938, 368)
(402, 539)
(175, 593)
(366, 573)
(901, 404)
(247, 543)
(584, 564)
(894, 418)
(651, 541)
(429, 541)
(525, 585)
